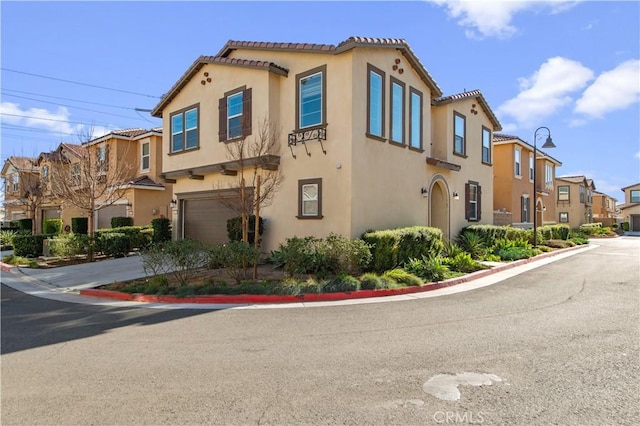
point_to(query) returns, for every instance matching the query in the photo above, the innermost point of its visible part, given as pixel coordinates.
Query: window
(563, 217)
(16, 182)
(473, 194)
(184, 129)
(548, 175)
(635, 195)
(581, 194)
(45, 173)
(486, 145)
(517, 154)
(563, 193)
(375, 102)
(311, 98)
(234, 114)
(531, 167)
(589, 196)
(75, 174)
(103, 159)
(397, 111)
(459, 133)
(525, 209)
(310, 199)
(415, 119)
(145, 160)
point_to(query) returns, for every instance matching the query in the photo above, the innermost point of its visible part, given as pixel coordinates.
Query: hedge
(234, 228)
(161, 230)
(24, 225)
(120, 221)
(29, 245)
(393, 247)
(554, 232)
(491, 233)
(52, 226)
(116, 244)
(80, 225)
(139, 236)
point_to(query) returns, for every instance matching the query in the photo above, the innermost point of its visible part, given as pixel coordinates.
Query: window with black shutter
(473, 200)
(234, 114)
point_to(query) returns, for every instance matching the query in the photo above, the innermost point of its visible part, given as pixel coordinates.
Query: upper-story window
(75, 174)
(44, 172)
(531, 167)
(103, 159)
(397, 111)
(375, 101)
(459, 133)
(581, 194)
(16, 182)
(311, 98)
(517, 162)
(486, 145)
(415, 119)
(235, 114)
(184, 129)
(548, 175)
(635, 196)
(563, 193)
(589, 195)
(145, 156)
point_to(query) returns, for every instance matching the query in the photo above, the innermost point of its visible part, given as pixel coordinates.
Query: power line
(79, 83)
(29, 129)
(71, 106)
(49, 119)
(65, 99)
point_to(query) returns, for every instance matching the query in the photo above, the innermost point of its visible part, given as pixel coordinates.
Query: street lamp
(547, 144)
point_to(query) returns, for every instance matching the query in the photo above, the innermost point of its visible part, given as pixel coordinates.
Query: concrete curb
(5, 267)
(323, 297)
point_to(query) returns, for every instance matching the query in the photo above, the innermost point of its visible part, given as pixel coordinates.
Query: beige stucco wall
(577, 210)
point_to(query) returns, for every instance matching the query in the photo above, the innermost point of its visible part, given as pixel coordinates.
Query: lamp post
(547, 144)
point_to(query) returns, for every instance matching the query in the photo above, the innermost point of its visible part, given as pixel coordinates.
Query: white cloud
(637, 154)
(56, 121)
(493, 18)
(546, 91)
(612, 90)
(577, 122)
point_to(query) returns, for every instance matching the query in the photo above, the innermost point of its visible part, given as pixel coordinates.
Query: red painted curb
(322, 297)
(6, 267)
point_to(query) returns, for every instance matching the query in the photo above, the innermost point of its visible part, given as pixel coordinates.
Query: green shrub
(625, 226)
(516, 253)
(80, 225)
(161, 230)
(139, 236)
(115, 244)
(20, 261)
(473, 243)
(490, 257)
(393, 247)
(463, 262)
(429, 268)
(554, 232)
(404, 277)
(559, 243)
(579, 240)
(341, 283)
(184, 257)
(370, 281)
(29, 245)
(52, 226)
(235, 256)
(120, 221)
(6, 237)
(68, 245)
(489, 233)
(234, 228)
(451, 249)
(25, 225)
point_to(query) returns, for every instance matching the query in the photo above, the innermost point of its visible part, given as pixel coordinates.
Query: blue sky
(572, 66)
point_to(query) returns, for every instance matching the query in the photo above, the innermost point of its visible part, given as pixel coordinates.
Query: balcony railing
(303, 136)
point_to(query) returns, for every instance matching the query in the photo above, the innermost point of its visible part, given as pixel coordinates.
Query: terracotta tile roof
(145, 180)
(128, 132)
(501, 137)
(573, 179)
(477, 94)
(22, 163)
(77, 150)
(627, 187)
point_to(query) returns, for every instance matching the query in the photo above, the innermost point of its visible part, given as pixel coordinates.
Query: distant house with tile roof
(575, 199)
(369, 140)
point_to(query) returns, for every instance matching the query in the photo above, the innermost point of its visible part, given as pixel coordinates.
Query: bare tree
(32, 190)
(93, 180)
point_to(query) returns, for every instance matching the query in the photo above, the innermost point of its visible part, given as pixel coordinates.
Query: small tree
(32, 189)
(91, 178)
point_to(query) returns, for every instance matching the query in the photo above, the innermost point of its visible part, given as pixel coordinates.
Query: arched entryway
(439, 206)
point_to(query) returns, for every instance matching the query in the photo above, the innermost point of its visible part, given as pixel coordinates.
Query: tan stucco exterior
(579, 208)
(604, 209)
(630, 210)
(367, 182)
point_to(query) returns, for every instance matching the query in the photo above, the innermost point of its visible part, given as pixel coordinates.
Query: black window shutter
(246, 112)
(222, 119)
(528, 201)
(479, 203)
(467, 204)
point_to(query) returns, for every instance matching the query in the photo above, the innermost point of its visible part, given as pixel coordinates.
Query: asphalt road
(558, 345)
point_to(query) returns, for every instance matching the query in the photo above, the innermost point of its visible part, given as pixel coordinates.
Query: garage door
(205, 219)
(635, 222)
(104, 215)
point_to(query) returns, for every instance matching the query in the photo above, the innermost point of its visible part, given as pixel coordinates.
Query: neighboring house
(604, 209)
(15, 172)
(630, 210)
(574, 200)
(513, 170)
(368, 141)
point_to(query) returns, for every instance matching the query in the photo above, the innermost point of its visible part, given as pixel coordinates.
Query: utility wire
(49, 119)
(71, 106)
(29, 129)
(63, 98)
(79, 83)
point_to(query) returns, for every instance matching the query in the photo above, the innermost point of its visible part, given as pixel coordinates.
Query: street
(556, 345)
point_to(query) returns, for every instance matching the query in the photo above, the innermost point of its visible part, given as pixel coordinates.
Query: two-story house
(17, 173)
(574, 204)
(368, 141)
(604, 208)
(513, 171)
(630, 210)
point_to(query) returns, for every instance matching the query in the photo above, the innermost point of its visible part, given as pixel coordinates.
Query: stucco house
(630, 210)
(575, 200)
(368, 140)
(513, 183)
(17, 170)
(604, 208)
